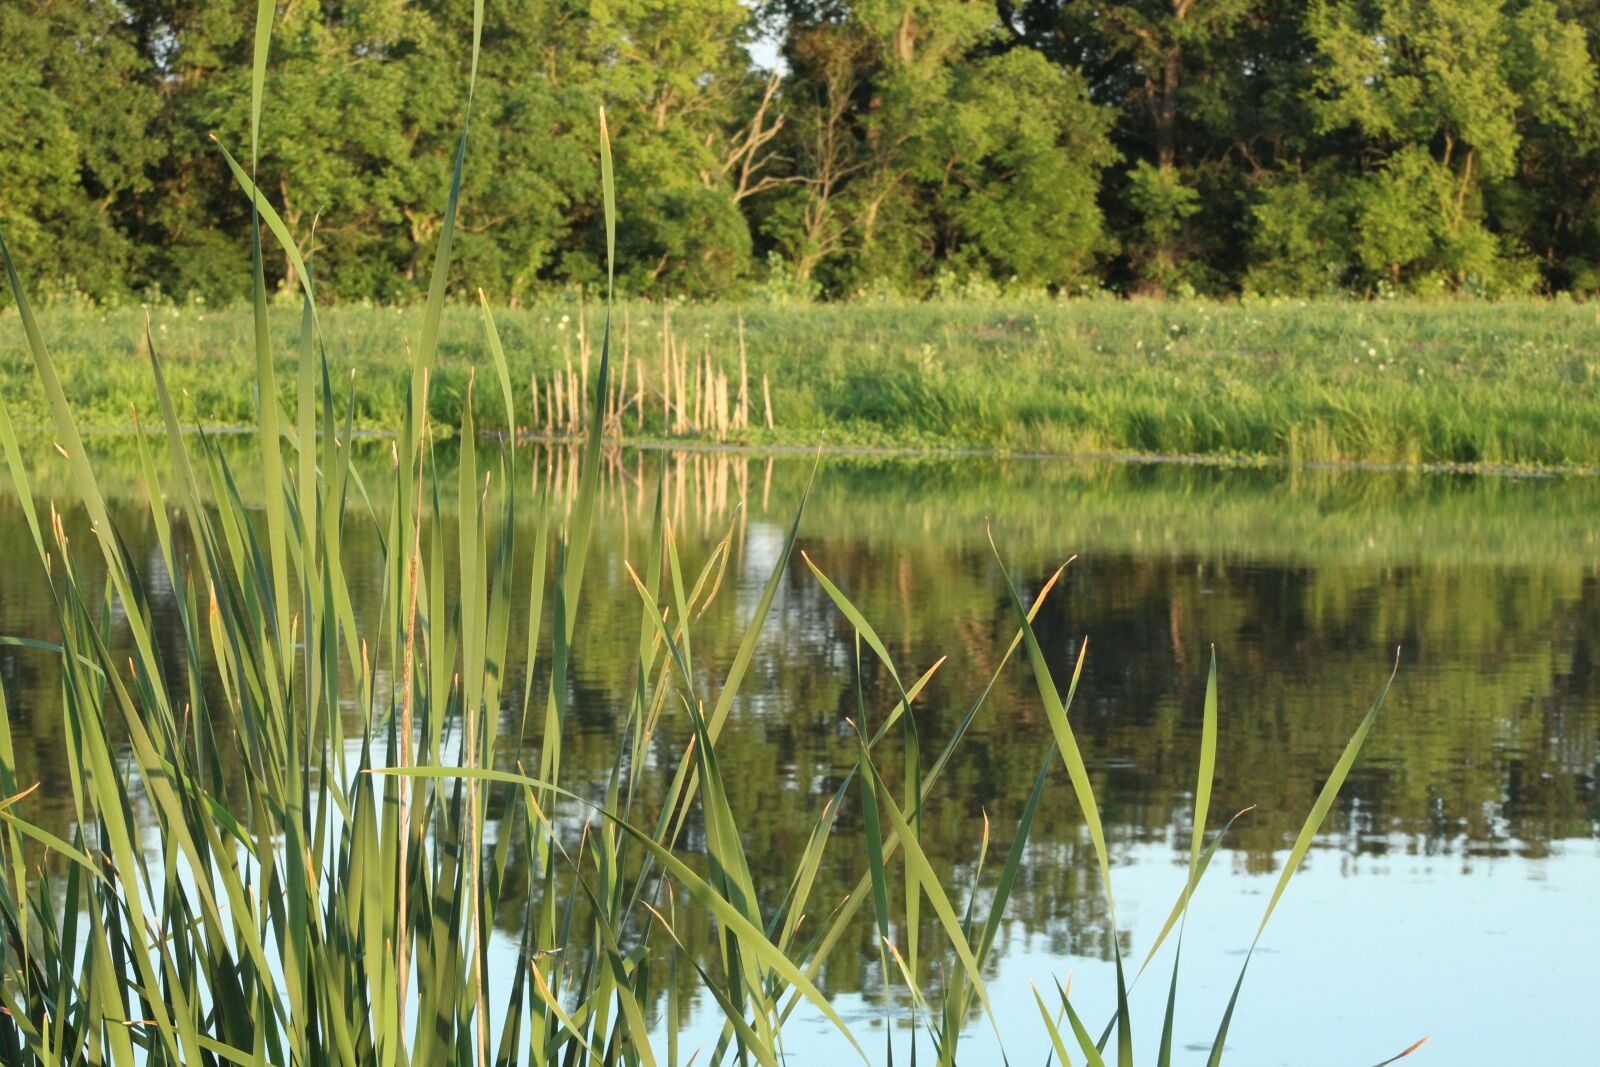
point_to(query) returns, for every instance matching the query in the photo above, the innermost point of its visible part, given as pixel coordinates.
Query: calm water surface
(1454, 891)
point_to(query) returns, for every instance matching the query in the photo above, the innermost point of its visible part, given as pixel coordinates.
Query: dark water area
(1455, 889)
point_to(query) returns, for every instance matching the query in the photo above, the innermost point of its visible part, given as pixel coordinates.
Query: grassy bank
(1512, 383)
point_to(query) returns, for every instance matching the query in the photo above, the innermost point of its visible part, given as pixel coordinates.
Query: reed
(336, 904)
(695, 403)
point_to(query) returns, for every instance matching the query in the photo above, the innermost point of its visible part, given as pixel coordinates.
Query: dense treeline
(899, 146)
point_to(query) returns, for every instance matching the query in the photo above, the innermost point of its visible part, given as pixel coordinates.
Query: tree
(1154, 146)
(688, 112)
(1193, 84)
(74, 146)
(1300, 241)
(1442, 94)
(919, 138)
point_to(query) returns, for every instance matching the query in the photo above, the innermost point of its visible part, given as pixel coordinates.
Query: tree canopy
(902, 146)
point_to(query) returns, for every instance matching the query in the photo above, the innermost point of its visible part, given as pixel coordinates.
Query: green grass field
(1475, 383)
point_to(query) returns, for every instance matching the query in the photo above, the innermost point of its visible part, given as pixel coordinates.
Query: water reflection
(1305, 584)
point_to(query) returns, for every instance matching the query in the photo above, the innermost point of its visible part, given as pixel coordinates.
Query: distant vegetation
(1355, 146)
(1510, 383)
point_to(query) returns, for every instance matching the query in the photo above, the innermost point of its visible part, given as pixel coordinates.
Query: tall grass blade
(1408, 1051)
(919, 862)
(1302, 844)
(1057, 1046)
(1202, 807)
(1091, 1052)
(1066, 743)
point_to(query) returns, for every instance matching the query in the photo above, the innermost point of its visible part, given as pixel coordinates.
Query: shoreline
(913, 452)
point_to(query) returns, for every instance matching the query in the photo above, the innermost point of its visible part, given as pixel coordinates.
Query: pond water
(1455, 890)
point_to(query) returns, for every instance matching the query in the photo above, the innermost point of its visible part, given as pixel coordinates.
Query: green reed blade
(1297, 853)
(682, 598)
(589, 463)
(725, 849)
(1124, 1019)
(758, 617)
(1164, 1049)
(911, 791)
(763, 1052)
(1182, 903)
(1178, 910)
(1202, 805)
(275, 223)
(873, 828)
(912, 988)
(845, 913)
(685, 782)
(428, 340)
(751, 937)
(69, 440)
(268, 438)
(470, 592)
(793, 906)
(1091, 1052)
(554, 1005)
(958, 995)
(857, 620)
(929, 881)
(258, 72)
(1056, 1044)
(864, 630)
(1013, 861)
(497, 353)
(306, 493)
(51, 842)
(1325, 799)
(730, 870)
(1207, 772)
(668, 640)
(640, 1045)
(8, 761)
(1056, 712)
(20, 483)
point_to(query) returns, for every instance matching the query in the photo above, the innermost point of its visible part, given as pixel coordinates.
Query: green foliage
(1445, 93)
(1139, 145)
(75, 142)
(1025, 150)
(1161, 202)
(1414, 222)
(781, 286)
(922, 143)
(1300, 240)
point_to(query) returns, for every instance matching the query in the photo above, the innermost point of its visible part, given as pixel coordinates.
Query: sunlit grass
(1444, 382)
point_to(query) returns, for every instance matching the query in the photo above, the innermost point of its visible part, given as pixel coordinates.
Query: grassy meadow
(1457, 382)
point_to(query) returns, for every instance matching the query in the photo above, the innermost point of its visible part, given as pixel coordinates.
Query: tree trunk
(1167, 110)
